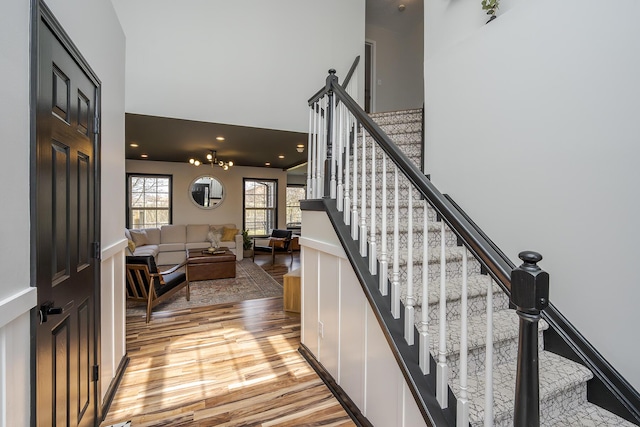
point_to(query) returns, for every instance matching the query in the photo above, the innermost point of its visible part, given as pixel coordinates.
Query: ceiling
(176, 140)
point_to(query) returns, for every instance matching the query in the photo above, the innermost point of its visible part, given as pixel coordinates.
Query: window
(148, 200)
(260, 206)
(294, 214)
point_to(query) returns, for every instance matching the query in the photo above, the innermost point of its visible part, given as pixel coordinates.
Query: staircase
(563, 383)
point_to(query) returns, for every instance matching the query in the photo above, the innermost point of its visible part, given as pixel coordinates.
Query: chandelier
(212, 158)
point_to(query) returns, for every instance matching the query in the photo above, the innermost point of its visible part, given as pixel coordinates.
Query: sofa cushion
(197, 232)
(197, 245)
(171, 247)
(139, 237)
(229, 234)
(131, 245)
(153, 234)
(145, 250)
(173, 234)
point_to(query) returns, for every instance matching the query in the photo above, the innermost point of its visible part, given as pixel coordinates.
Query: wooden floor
(228, 365)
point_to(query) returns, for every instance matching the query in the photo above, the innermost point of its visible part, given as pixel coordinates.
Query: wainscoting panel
(352, 334)
(112, 315)
(309, 316)
(15, 373)
(354, 348)
(383, 378)
(329, 318)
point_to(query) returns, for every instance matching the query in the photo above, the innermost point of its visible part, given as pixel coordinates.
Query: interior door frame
(372, 75)
(40, 11)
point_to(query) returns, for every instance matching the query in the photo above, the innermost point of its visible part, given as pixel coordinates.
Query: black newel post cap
(331, 79)
(530, 284)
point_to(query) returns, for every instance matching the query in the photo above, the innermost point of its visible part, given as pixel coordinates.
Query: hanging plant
(490, 6)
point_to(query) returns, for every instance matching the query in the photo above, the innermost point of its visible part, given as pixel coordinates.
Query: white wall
(352, 347)
(242, 62)
(231, 210)
(102, 43)
(16, 296)
(531, 126)
(398, 67)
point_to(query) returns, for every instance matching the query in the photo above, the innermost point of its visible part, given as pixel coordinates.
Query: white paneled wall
(112, 315)
(341, 331)
(15, 373)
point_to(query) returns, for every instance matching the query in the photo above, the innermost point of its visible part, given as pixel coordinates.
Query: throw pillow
(139, 237)
(131, 245)
(229, 234)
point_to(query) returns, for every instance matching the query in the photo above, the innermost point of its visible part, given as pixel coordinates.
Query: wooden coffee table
(202, 265)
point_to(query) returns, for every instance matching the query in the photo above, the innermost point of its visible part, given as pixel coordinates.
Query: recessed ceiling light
(220, 138)
(281, 156)
(134, 145)
(267, 164)
(144, 156)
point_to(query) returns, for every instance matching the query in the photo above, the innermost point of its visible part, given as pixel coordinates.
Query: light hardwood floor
(228, 365)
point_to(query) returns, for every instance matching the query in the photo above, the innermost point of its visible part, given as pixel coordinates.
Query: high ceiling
(176, 140)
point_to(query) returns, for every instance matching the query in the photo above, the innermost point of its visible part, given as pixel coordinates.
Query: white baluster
(488, 361)
(331, 106)
(442, 374)
(322, 146)
(354, 210)
(363, 199)
(462, 419)
(409, 308)
(383, 279)
(373, 261)
(347, 200)
(395, 280)
(310, 153)
(313, 152)
(424, 324)
(339, 150)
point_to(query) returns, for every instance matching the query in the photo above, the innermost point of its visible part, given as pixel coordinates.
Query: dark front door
(65, 231)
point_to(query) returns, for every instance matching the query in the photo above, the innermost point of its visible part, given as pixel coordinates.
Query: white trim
(374, 82)
(17, 304)
(323, 247)
(114, 249)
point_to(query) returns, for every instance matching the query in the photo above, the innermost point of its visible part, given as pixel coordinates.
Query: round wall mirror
(206, 192)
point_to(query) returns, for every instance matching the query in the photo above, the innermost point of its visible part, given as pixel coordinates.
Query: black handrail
(499, 269)
(347, 79)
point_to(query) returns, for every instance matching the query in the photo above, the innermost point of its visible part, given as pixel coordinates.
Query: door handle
(47, 309)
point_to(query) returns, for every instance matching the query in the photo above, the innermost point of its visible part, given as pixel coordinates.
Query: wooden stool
(292, 291)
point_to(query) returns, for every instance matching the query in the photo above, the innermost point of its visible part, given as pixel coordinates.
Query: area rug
(251, 282)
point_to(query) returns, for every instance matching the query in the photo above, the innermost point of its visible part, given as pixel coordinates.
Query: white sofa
(169, 243)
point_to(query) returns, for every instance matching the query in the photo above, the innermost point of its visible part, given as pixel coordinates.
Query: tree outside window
(260, 206)
(294, 214)
(148, 200)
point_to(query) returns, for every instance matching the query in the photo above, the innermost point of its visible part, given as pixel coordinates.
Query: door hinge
(96, 125)
(95, 250)
(96, 373)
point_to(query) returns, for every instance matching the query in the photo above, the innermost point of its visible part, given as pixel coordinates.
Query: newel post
(331, 80)
(530, 295)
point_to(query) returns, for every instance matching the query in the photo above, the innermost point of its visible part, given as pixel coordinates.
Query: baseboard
(113, 387)
(349, 406)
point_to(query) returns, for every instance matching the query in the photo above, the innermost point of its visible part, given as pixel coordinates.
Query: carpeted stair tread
(476, 286)
(557, 374)
(505, 327)
(589, 415)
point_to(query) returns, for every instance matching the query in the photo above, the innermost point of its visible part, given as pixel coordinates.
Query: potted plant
(490, 6)
(247, 244)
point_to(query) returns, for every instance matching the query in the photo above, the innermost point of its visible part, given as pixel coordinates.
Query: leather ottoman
(204, 266)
